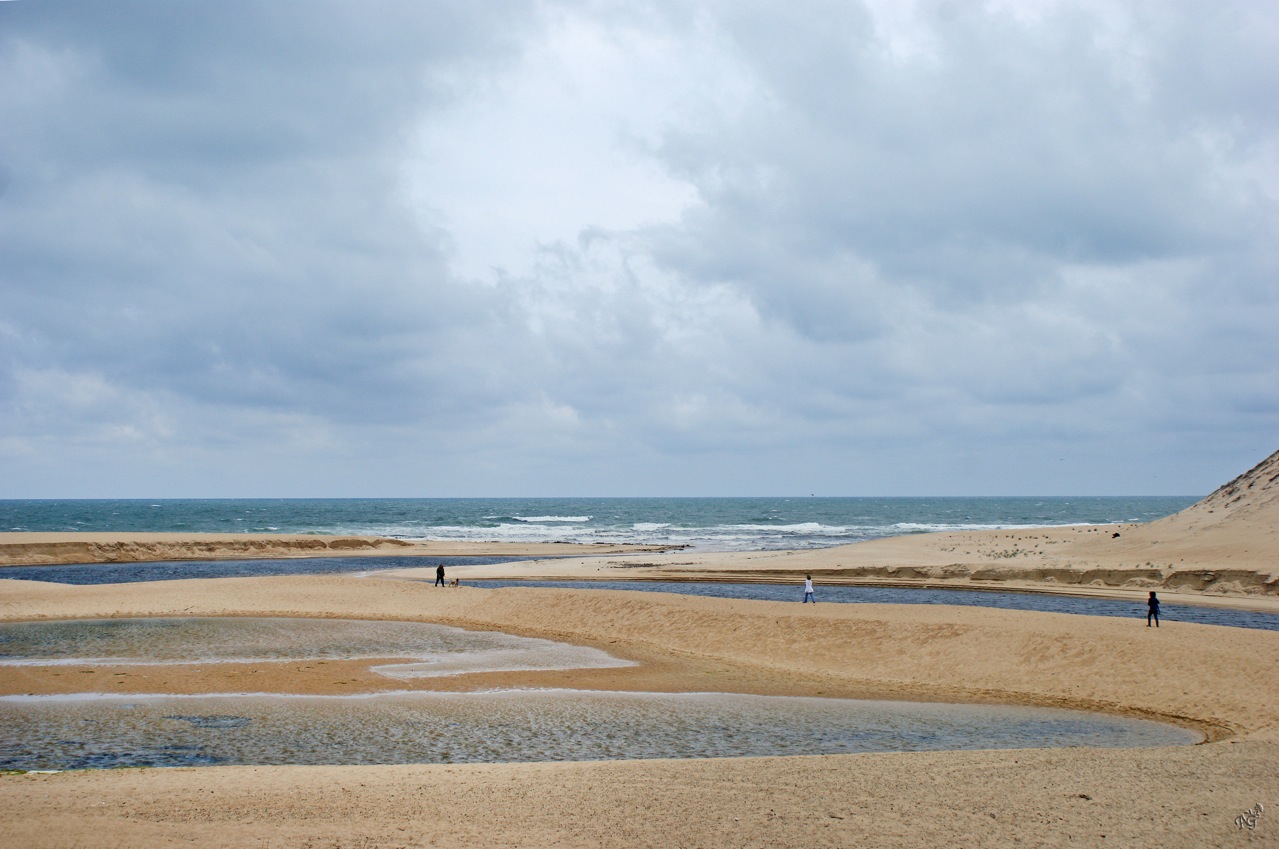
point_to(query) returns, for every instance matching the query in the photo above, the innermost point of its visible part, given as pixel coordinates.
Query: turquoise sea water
(704, 523)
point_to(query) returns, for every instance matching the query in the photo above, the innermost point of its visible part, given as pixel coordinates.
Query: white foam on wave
(919, 527)
(551, 518)
(798, 528)
(584, 529)
(508, 532)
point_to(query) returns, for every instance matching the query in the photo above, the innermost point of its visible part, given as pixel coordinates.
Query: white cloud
(555, 144)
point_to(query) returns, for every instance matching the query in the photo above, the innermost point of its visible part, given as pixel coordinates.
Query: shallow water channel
(96, 730)
(112, 573)
(1041, 602)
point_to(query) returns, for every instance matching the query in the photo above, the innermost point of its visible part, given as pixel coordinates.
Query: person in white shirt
(808, 590)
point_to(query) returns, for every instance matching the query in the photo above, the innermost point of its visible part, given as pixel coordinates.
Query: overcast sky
(637, 248)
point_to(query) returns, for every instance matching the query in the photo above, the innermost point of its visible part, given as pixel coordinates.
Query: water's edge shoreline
(898, 562)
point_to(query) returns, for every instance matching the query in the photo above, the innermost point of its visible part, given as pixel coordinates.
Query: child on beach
(1152, 609)
(808, 590)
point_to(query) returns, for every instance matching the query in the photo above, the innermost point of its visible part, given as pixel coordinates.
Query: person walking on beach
(439, 575)
(1152, 609)
(808, 590)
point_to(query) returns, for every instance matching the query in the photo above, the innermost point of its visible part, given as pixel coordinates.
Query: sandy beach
(1218, 681)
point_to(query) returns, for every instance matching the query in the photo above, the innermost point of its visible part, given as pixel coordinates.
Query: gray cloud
(243, 248)
(205, 199)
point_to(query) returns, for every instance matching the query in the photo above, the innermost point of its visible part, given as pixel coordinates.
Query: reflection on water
(433, 649)
(520, 726)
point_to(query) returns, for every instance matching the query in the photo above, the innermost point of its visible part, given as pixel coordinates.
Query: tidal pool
(425, 649)
(97, 730)
(43, 732)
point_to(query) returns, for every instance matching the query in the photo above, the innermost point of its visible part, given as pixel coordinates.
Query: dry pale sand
(1221, 681)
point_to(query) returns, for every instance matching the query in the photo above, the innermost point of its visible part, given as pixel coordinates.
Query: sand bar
(50, 548)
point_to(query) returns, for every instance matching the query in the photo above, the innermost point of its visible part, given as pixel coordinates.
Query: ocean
(710, 524)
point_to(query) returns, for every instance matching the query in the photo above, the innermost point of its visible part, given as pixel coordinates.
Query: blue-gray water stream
(177, 570)
(112, 573)
(1041, 602)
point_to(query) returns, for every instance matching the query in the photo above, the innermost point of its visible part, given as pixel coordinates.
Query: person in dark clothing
(1152, 609)
(439, 575)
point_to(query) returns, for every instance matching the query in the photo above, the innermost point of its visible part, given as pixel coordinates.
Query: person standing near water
(1152, 609)
(439, 575)
(808, 590)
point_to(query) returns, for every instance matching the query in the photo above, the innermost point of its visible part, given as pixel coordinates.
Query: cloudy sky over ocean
(637, 248)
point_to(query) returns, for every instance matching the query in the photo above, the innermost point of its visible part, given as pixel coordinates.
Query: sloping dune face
(1251, 498)
(1236, 527)
(1228, 543)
